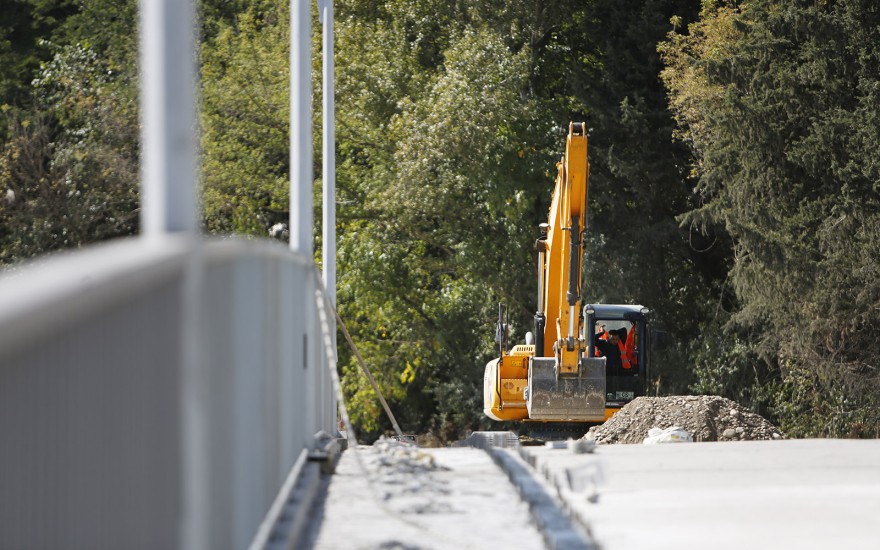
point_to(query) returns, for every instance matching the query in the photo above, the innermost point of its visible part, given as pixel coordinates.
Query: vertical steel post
(301, 128)
(169, 168)
(329, 154)
(168, 120)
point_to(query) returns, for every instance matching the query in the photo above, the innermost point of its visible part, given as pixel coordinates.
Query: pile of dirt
(705, 417)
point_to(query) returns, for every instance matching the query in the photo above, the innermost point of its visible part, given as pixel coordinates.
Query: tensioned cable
(319, 295)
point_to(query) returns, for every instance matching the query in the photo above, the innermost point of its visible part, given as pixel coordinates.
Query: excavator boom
(561, 378)
(561, 260)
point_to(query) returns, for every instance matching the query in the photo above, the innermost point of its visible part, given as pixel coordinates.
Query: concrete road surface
(421, 499)
(795, 494)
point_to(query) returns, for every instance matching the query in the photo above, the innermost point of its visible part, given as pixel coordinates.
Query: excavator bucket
(575, 397)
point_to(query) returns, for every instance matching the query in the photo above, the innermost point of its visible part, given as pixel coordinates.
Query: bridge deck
(431, 498)
(794, 494)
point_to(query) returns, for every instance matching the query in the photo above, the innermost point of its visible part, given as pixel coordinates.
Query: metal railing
(155, 393)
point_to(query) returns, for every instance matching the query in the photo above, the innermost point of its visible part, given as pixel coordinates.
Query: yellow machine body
(504, 383)
(505, 380)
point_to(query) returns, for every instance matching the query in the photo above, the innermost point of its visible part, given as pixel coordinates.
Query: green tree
(436, 161)
(778, 101)
(604, 61)
(245, 113)
(25, 25)
(69, 168)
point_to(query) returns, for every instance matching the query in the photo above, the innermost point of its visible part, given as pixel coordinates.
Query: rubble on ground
(393, 457)
(705, 417)
(405, 477)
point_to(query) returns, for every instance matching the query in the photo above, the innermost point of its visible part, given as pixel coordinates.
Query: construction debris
(672, 434)
(704, 417)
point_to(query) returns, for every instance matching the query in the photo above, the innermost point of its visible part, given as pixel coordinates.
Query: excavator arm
(560, 257)
(554, 380)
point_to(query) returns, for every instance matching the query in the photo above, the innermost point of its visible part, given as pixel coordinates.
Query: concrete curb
(550, 516)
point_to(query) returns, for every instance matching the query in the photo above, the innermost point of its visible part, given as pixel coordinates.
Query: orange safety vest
(624, 356)
(628, 356)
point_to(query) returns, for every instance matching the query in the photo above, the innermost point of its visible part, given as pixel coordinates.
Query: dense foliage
(69, 160)
(780, 103)
(734, 180)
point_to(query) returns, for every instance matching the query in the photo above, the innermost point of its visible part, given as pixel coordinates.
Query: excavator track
(538, 433)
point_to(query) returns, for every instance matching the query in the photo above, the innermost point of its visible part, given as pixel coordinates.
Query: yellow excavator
(558, 375)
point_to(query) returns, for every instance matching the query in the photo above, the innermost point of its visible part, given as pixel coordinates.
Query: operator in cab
(613, 348)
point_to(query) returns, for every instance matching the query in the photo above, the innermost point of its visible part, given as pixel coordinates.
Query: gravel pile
(705, 417)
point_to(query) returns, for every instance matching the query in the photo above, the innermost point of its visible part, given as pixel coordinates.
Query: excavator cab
(627, 379)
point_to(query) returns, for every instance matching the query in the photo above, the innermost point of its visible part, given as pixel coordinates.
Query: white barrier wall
(155, 393)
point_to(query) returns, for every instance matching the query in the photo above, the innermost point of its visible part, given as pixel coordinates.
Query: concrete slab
(798, 494)
(460, 500)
